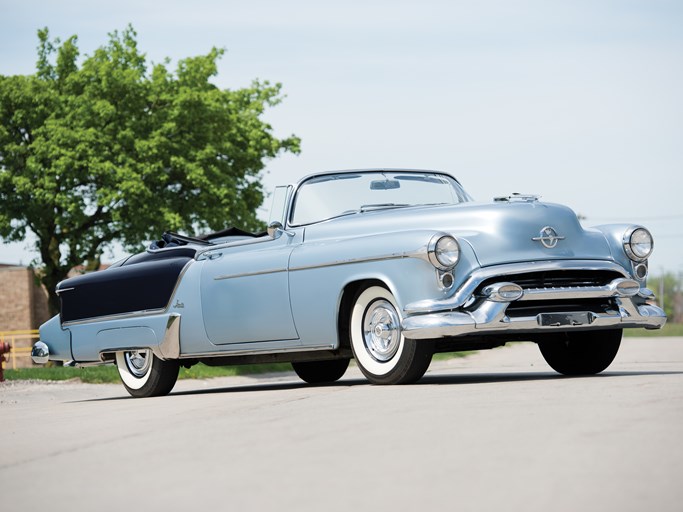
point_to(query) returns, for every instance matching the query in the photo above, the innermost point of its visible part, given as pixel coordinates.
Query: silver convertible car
(383, 266)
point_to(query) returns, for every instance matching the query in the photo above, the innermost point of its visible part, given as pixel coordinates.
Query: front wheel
(320, 372)
(581, 353)
(383, 354)
(143, 374)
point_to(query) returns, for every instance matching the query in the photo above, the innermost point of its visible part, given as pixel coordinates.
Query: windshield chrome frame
(295, 192)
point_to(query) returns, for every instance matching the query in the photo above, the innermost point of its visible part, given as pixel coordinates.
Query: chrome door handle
(209, 256)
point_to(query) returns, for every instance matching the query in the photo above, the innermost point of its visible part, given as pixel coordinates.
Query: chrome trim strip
(250, 274)
(351, 261)
(460, 297)
(251, 352)
(58, 291)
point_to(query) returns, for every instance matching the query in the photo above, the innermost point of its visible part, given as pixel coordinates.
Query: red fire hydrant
(4, 349)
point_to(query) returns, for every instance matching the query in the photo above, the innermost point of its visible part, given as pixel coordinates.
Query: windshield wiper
(381, 206)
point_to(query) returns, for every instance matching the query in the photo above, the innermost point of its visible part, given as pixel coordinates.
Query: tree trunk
(51, 278)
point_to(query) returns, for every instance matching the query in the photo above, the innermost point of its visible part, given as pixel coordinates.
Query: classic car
(384, 266)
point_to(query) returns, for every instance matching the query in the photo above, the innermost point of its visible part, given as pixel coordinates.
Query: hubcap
(382, 330)
(138, 362)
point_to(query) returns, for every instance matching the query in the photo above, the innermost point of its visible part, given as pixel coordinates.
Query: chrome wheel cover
(381, 330)
(138, 362)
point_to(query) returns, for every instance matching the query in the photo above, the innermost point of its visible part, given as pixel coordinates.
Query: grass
(109, 373)
(450, 355)
(668, 330)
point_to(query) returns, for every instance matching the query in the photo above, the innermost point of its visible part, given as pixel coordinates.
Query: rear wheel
(581, 353)
(381, 351)
(143, 374)
(319, 372)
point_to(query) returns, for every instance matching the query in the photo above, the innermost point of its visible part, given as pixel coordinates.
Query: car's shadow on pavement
(489, 378)
(427, 380)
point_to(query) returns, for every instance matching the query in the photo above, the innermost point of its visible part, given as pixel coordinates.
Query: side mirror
(275, 229)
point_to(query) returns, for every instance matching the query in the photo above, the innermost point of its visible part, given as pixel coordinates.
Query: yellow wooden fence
(20, 342)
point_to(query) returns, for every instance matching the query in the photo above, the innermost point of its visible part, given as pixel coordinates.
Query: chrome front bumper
(490, 316)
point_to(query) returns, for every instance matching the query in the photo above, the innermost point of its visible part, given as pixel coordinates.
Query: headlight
(638, 244)
(444, 252)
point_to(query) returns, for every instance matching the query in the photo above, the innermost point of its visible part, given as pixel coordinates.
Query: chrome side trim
(460, 297)
(419, 253)
(251, 352)
(351, 261)
(58, 290)
(170, 345)
(250, 274)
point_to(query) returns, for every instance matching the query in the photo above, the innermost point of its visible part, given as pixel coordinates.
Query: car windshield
(333, 195)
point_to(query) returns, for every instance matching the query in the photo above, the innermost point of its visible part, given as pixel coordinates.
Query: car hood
(499, 232)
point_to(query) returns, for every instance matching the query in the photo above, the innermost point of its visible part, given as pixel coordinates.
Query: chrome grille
(556, 279)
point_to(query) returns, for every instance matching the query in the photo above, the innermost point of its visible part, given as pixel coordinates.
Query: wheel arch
(346, 300)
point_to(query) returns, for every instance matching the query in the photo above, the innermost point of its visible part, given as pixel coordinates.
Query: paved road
(494, 431)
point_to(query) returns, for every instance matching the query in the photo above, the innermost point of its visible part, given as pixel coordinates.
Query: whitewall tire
(383, 354)
(143, 374)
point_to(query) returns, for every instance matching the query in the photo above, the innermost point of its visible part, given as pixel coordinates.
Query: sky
(579, 102)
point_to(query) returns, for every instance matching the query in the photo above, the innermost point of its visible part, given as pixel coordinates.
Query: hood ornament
(516, 197)
(548, 237)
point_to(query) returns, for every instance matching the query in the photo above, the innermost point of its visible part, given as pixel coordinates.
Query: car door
(245, 291)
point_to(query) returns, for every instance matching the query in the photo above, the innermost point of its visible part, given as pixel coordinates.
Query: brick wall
(16, 295)
(23, 305)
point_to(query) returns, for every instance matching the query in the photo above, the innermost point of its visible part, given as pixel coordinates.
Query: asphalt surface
(494, 431)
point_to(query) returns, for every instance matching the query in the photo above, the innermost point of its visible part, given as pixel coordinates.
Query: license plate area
(565, 319)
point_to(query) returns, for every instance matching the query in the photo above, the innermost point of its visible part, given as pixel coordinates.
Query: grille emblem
(548, 238)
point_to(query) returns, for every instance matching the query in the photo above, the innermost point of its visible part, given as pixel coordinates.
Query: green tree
(113, 149)
(668, 288)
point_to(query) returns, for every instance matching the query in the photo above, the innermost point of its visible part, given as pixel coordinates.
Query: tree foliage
(109, 148)
(668, 287)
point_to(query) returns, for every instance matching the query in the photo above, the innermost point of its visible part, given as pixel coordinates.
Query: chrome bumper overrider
(490, 316)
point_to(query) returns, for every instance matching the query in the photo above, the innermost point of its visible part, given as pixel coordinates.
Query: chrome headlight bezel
(444, 251)
(633, 243)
